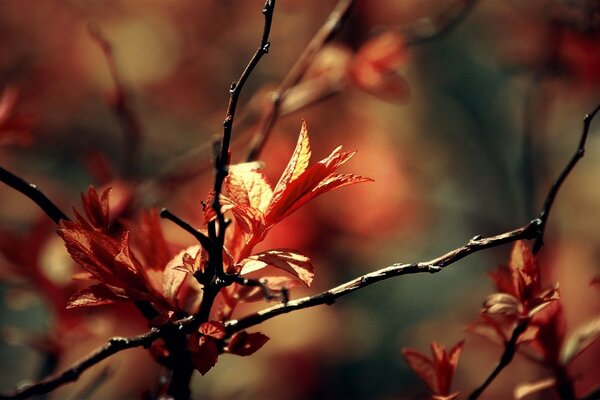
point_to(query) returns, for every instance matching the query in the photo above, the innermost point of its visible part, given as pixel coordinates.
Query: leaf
(297, 164)
(306, 187)
(580, 339)
(525, 389)
(375, 67)
(422, 366)
(503, 304)
(214, 329)
(288, 260)
(96, 208)
(248, 187)
(95, 295)
(174, 275)
(204, 354)
(153, 245)
(245, 344)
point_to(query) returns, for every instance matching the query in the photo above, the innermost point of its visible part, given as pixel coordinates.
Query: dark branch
(30, 190)
(436, 265)
(204, 240)
(539, 242)
(113, 346)
(332, 25)
(510, 349)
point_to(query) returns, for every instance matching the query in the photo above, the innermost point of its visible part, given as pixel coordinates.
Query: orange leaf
(422, 366)
(95, 295)
(298, 163)
(214, 329)
(248, 187)
(288, 260)
(204, 354)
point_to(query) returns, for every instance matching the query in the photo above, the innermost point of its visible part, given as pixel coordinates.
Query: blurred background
(462, 129)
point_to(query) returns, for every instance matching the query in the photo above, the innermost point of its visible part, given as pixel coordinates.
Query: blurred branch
(332, 25)
(113, 346)
(510, 349)
(30, 190)
(419, 33)
(121, 103)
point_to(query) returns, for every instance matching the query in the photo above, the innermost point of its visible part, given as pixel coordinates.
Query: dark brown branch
(510, 349)
(204, 240)
(113, 346)
(30, 190)
(561, 178)
(332, 25)
(436, 265)
(121, 103)
(416, 33)
(215, 264)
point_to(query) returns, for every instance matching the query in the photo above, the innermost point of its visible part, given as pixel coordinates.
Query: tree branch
(113, 346)
(539, 242)
(510, 349)
(332, 25)
(30, 190)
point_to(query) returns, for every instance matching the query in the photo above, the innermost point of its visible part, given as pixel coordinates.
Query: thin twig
(30, 190)
(433, 266)
(204, 240)
(332, 25)
(510, 349)
(539, 242)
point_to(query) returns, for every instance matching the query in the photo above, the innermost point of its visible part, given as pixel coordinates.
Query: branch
(329, 297)
(204, 240)
(539, 242)
(533, 230)
(510, 349)
(215, 263)
(113, 346)
(332, 25)
(30, 190)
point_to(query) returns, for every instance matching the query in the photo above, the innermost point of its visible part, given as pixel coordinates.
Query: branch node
(432, 269)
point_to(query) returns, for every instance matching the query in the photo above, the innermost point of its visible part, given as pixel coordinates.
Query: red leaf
(245, 344)
(96, 208)
(299, 185)
(174, 275)
(422, 366)
(95, 295)
(214, 329)
(204, 353)
(438, 372)
(288, 260)
(153, 245)
(376, 64)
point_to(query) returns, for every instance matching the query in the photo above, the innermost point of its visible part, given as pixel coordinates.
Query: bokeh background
(463, 138)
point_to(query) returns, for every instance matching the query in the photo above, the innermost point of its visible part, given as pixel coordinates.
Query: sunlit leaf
(288, 260)
(525, 389)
